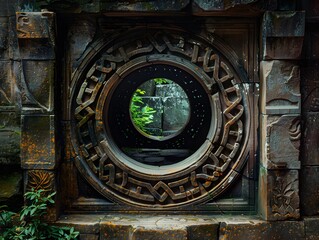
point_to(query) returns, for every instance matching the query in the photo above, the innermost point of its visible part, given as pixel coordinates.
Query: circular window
(158, 119)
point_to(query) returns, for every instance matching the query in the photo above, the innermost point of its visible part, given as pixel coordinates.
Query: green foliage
(28, 224)
(159, 81)
(142, 114)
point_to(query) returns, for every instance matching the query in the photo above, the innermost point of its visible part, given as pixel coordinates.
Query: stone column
(310, 115)
(10, 172)
(36, 40)
(282, 38)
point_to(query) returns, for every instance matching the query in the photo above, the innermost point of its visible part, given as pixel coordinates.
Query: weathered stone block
(203, 232)
(283, 35)
(282, 48)
(280, 141)
(159, 234)
(36, 49)
(310, 87)
(310, 98)
(109, 231)
(89, 237)
(309, 190)
(259, 230)
(4, 38)
(310, 139)
(284, 24)
(176, 113)
(311, 228)
(309, 74)
(10, 134)
(3, 8)
(287, 5)
(280, 95)
(14, 51)
(40, 179)
(6, 84)
(88, 224)
(39, 79)
(311, 7)
(80, 34)
(279, 194)
(206, 5)
(313, 46)
(35, 24)
(36, 34)
(38, 142)
(142, 6)
(10, 183)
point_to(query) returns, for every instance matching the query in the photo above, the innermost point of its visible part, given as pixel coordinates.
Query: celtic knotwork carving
(216, 133)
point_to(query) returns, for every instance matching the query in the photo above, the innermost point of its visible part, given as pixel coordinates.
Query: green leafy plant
(141, 113)
(29, 224)
(159, 81)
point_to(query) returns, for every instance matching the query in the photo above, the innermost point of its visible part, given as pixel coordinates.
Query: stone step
(187, 227)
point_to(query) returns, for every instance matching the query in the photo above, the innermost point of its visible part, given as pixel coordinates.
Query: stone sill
(187, 227)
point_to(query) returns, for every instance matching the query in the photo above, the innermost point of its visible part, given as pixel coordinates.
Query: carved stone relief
(284, 195)
(220, 142)
(40, 179)
(282, 141)
(280, 95)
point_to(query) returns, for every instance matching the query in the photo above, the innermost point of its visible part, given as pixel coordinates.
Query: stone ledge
(187, 227)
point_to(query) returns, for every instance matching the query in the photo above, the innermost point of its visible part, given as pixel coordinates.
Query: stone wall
(288, 123)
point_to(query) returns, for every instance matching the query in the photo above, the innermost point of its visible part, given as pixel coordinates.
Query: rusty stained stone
(280, 141)
(203, 232)
(309, 190)
(114, 232)
(280, 95)
(260, 230)
(310, 139)
(36, 35)
(279, 194)
(39, 79)
(35, 24)
(46, 181)
(282, 34)
(40, 179)
(38, 142)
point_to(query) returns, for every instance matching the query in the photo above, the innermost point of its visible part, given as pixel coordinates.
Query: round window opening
(159, 109)
(126, 147)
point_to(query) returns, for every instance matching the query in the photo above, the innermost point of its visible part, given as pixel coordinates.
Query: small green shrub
(141, 114)
(29, 224)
